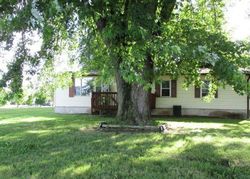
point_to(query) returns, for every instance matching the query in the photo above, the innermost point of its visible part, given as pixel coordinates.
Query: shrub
(3, 97)
(40, 98)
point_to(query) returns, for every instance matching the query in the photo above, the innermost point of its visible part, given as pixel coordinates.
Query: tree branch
(167, 9)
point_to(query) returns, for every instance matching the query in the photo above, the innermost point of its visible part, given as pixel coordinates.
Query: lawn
(36, 143)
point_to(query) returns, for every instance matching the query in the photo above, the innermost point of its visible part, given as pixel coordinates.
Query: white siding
(62, 99)
(227, 99)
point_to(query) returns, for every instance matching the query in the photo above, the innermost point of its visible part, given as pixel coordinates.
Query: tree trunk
(133, 99)
(125, 108)
(140, 102)
(133, 102)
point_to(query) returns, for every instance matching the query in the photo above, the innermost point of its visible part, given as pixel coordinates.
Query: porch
(107, 102)
(104, 101)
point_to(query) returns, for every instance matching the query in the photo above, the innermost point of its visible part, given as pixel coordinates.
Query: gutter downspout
(248, 97)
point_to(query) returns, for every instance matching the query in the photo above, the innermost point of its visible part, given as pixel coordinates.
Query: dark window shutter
(173, 88)
(72, 91)
(197, 92)
(157, 90)
(152, 100)
(216, 94)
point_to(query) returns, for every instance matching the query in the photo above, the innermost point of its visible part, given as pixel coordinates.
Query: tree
(3, 97)
(135, 41)
(29, 100)
(40, 98)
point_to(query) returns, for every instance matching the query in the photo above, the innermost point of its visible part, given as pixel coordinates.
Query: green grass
(36, 143)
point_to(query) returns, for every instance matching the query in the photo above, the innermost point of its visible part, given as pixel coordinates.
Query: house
(86, 97)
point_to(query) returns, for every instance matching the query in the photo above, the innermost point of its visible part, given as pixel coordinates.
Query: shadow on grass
(68, 147)
(94, 154)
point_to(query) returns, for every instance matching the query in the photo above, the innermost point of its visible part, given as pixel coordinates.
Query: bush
(3, 97)
(40, 98)
(29, 101)
(16, 98)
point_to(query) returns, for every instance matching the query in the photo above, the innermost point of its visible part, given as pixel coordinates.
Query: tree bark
(134, 99)
(141, 96)
(125, 109)
(140, 103)
(133, 102)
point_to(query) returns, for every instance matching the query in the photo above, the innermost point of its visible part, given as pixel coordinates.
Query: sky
(237, 16)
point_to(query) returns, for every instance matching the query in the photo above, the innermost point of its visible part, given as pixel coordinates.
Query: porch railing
(104, 101)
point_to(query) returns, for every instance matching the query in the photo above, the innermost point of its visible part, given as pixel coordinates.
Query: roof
(207, 70)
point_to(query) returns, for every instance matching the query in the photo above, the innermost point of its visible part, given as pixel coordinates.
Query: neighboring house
(166, 98)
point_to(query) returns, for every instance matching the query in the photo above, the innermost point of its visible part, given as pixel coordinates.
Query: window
(83, 86)
(165, 88)
(103, 88)
(205, 88)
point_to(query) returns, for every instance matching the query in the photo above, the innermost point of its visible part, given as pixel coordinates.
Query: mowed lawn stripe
(37, 143)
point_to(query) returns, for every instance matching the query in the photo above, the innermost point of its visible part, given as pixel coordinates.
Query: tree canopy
(135, 41)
